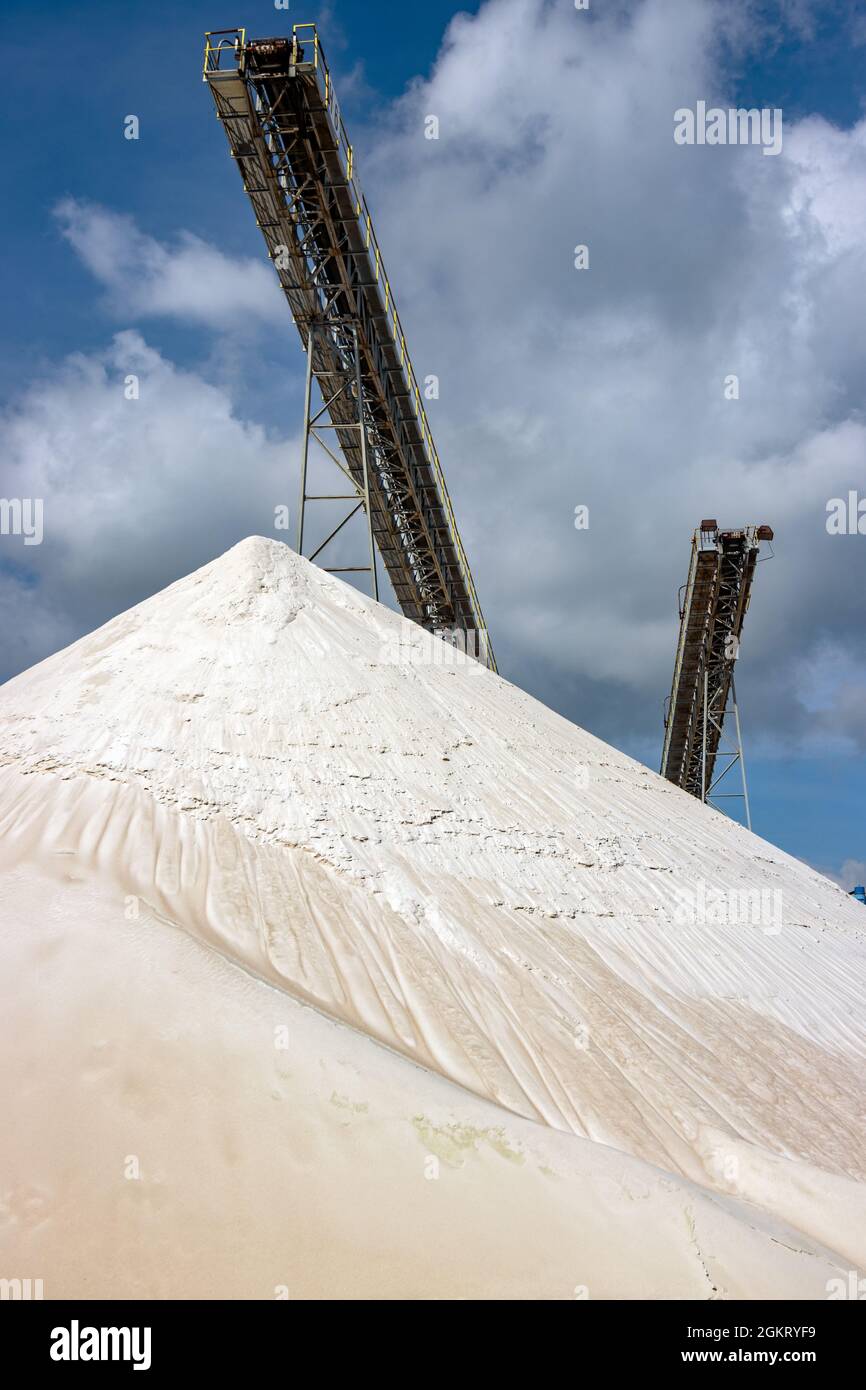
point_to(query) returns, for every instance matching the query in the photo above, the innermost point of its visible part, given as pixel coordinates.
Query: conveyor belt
(716, 597)
(277, 105)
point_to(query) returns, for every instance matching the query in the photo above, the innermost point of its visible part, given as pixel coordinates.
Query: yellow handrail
(212, 64)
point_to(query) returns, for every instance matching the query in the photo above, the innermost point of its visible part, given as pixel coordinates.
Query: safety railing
(229, 41)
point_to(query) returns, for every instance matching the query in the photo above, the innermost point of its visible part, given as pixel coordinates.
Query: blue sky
(687, 274)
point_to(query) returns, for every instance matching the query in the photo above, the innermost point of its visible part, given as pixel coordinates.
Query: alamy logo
(846, 516)
(705, 905)
(853, 1287)
(76, 1343)
(22, 516)
(409, 645)
(736, 126)
(21, 1289)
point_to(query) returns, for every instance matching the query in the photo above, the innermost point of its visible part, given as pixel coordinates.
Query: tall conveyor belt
(713, 605)
(276, 102)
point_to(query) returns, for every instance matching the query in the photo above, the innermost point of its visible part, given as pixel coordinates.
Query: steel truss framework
(348, 385)
(713, 606)
(276, 102)
(713, 714)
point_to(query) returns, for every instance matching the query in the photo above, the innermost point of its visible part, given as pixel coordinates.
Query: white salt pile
(623, 1038)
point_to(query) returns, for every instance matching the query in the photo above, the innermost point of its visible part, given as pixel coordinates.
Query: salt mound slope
(179, 1129)
(305, 782)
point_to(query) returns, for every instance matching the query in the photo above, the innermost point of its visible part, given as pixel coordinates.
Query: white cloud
(605, 386)
(190, 280)
(136, 492)
(851, 874)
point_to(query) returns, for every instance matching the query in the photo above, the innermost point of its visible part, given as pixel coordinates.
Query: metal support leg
(351, 381)
(306, 445)
(363, 432)
(729, 748)
(742, 754)
(704, 744)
